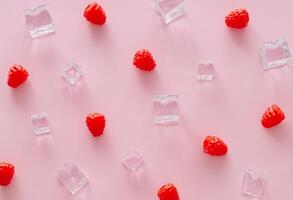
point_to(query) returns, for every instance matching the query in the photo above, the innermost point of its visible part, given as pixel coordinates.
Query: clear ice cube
(275, 53)
(169, 9)
(253, 184)
(165, 109)
(40, 124)
(132, 161)
(206, 71)
(39, 21)
(72, 72)
(71, 177)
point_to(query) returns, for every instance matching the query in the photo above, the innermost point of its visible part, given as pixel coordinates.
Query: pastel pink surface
(230, 108)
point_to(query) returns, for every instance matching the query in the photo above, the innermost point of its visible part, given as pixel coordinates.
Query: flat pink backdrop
(231, 107)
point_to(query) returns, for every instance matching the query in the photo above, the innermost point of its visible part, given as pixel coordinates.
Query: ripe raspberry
(16, 76)
(6, 173)
(238, 18)
(168, 192)
(96, 123)
(95, 14)
(214, 146)
(273, 116)
(144, 60)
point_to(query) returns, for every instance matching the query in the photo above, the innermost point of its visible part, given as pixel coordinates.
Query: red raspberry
(168, 192)
(273, 116)
(95, 14)
(6, 173)
(96, 123)
(144, 60)
(214, 146)
(16, 76)
(238, 18)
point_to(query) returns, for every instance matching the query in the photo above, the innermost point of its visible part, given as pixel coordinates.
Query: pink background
(231, 107)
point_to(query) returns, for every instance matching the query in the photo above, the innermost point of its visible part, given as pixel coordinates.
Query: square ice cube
(71, 177)
(132, 161)
(253, 184)
(72, 72)
(169, 9)
(39, 21)
(206, 71)
(165, 109)
(40, 123)
(275, 53)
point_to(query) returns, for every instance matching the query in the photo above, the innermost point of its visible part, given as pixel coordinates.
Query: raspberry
(214, 146)
(168, 192)
(144, 60)
(238, 18)
(96, 123)
(6, 173)
(95, 14)
(272, 116)
(16, 76)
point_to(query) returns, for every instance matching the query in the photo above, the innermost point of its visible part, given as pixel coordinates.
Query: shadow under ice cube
(71, 177)
(39, 21)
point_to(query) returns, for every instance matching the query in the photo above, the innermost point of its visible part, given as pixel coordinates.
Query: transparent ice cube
(132, 161)
(39, 21)
(165, 109)
(40, 124)
(206, 71)
(71, 177)
(253, 184)
(275, 53)
(169, 9)
(72, 72)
